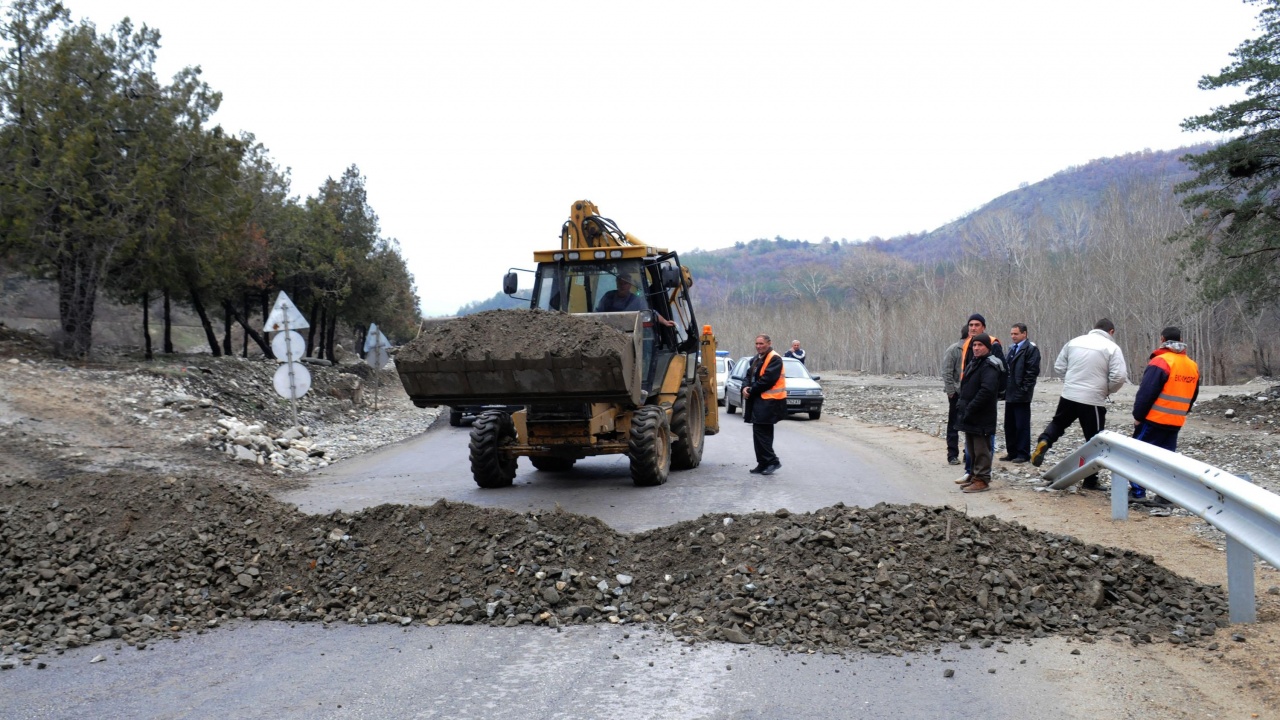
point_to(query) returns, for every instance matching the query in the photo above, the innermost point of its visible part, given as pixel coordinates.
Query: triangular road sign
(284, 315)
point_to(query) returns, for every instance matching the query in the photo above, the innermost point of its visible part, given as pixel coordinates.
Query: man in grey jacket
(1093, 368)
(951, 386)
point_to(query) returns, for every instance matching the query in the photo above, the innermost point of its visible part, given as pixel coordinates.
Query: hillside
(771, 268)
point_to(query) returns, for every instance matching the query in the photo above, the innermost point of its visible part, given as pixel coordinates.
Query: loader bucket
(437, 376)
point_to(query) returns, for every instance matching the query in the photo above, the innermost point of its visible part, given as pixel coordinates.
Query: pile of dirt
(130, 559)
(506, 333)
(23, 344)
(1261, 408)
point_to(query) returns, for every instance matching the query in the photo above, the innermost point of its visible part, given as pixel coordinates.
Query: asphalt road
(820, 467)
(279, 670)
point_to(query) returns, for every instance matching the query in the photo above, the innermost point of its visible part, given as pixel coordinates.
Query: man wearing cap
(977, 326)
(1092, 368)
(1169, 388)
(621, 299)
(976, 410)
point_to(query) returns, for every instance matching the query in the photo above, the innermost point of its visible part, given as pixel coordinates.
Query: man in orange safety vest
(764, 403)
(1169, 389)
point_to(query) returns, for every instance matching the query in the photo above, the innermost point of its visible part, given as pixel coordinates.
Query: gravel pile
(505, 333)
(131, 559)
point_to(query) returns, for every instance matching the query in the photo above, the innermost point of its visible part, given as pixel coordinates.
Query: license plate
(792, 402)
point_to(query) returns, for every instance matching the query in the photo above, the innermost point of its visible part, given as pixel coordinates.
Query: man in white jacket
(1092, 367)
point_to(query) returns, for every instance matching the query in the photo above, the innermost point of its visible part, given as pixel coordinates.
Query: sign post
(292, 379)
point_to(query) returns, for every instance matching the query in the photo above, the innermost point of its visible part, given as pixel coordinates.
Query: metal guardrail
(1247, 514)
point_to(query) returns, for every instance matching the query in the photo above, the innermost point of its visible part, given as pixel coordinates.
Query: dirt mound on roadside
(132, 558)
(504, 333)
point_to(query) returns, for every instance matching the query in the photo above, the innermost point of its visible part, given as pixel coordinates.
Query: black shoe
(1091, 484)
(758, 469)
(771, 468)
(953, 461)
(1020, 460)
(1005, 458)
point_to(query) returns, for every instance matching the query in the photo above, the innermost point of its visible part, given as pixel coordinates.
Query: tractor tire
(688, 424)
(815, 414)
(491, 431)
(552, 464)
(455, 417)
(649, 447)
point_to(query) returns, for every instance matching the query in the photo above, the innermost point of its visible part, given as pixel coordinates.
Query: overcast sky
(691, 124)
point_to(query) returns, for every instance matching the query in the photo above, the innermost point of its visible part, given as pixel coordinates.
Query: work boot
(1020, 460)
(1037, 455)
(1005, 458)
(953, 460)
(771, 468)
(757, 469)
(976, 486)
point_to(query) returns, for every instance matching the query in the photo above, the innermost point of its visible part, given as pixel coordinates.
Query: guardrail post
(1241, 598)
(1119, 497)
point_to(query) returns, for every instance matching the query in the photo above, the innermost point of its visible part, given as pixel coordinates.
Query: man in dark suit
(1023, 361)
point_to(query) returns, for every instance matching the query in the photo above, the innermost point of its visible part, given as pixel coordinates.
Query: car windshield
(794, 368)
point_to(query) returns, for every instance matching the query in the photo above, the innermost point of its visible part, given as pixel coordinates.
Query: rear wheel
(490, 433)
(688, 423)
(552, 464)
(649, 446)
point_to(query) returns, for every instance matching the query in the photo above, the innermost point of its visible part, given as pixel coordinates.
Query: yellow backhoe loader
(653, 400)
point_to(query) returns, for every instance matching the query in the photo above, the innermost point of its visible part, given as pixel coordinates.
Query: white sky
(691, 124)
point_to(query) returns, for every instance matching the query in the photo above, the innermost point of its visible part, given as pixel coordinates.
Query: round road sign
(288, 346)
(295, 374)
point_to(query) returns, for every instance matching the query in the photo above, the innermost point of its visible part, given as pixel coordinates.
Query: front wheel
(490, 433)
(688, 424)
(815, 414)
(649, 446)
(455, 417)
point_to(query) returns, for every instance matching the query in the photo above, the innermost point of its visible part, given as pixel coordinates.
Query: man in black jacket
(977, 409)
(764, 403)
(1023, 360)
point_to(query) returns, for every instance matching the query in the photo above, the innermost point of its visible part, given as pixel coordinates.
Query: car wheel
(815, 414)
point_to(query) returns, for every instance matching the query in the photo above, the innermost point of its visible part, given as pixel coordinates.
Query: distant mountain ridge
(1087, 183)
(725, 274)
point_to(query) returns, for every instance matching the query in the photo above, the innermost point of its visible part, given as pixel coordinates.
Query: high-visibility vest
(779, 389)
(1174, 402)
(964, 351)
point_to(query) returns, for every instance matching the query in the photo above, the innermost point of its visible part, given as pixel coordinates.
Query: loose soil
(502, 334)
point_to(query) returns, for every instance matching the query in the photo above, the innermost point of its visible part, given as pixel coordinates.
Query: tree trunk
(362, 335)
(168, 324)
(204, 322)
(146, 327)
(317, 350)
(331, 333)
(244, 351)
(77, 293)
(226, 328)
(249, 332)
(311, 331)
(266, 307)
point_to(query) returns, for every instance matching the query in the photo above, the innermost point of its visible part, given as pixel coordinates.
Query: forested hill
(1085, 185)
(801, 268)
